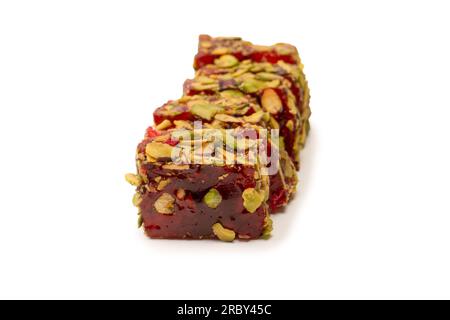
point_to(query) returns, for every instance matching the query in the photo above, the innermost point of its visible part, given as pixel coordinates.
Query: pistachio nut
(174, 166)
(182, 124)
(252, 85)
(252, 199)
(205, 111)
(227, 118)
(158, 150)
(255, 117)
(162, 184)
(163, 125)
(140, 221)
(271, 102)
(267, 76)
(290, 125)
(213, 198)
(220, 51)
(223, 233)
(230, 93)
(165, 204)
(137, 199)
(133, 179)
(226, 61)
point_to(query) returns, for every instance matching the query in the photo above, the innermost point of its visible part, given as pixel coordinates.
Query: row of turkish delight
(238, 87)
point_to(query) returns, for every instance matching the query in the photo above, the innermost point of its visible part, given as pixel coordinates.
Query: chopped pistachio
(273, 84)
(161, 138)
(202, 87)
(267, 76)
(256, 68)
(204, 80)
(231, 93)
(215, 124)
(227, 118)
(223, 233)
(137, 199)
(163, 125)
(205, 44)
(271, 102)
(219, 51)
(162, 184)
(238, 110)
(252, 85)
(288, 167)
(133, 179)
(267, 228)
(213, 198)
(255, 117)
(283, 49)
(158, 150)
(291, 103)
(226, 61)
(274, 123)
(173, 166)
(165, 204)
(304, 133)
(240, 71)
(182, 124)
(140, 221)
(290, 125)
(205, 111)
(252, 199)
(150, 188)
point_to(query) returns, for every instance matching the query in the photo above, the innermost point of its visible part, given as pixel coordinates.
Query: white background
(79, 81)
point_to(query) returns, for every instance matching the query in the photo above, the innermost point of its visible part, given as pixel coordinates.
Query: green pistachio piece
(223, 233)
(202, 87)
(255, 117)
(283, 49)
(267, 76)
(304, 133)
(231, 94)
(271, 102)
(205, 111)
(163, 125)
(253, 85)
(158, 150)
(165, 204)
(219, 51)
(162, 184)
(227, 118)
(252, 199)
(133, 179)
(274, 123)
(267, 228)
(290, 125)
(204, 80)
(213, 198)
(182, 124)
(256, 68)
(137, 199)
(226, 61)
(288, 166)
